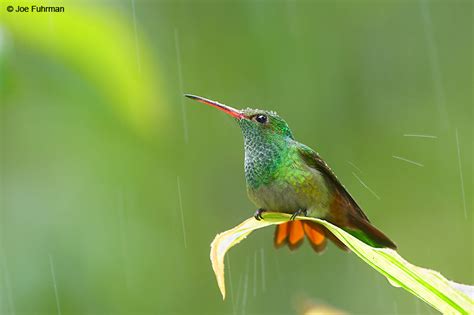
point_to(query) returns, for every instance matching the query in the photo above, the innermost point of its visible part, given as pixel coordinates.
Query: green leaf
(430, 286)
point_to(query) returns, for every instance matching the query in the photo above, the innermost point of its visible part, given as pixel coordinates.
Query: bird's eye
(261, 118)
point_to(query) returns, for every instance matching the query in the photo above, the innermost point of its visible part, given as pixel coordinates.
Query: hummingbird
(284, 175)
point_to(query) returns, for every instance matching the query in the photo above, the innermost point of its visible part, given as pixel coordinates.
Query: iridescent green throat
(265, 152)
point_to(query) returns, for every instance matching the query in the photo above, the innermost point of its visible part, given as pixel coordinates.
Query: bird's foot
(258, 214)
(303, 212)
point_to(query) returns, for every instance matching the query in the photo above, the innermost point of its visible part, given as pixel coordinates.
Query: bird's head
(253, 122)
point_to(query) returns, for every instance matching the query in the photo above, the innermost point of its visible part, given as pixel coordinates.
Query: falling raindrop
(137, 48)
(181, 87)
(182, 212)
(365, 185)
(255, 274)
(231, 284)
(407, 160)
(55, 286)
(354, 166)
(420, 136)
(262, 267)
(239, 287)
(434, 62)
(460, 174)
(246, 282)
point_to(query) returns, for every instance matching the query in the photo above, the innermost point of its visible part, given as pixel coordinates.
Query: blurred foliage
(306, 306)
(101, 197)
(100, 46)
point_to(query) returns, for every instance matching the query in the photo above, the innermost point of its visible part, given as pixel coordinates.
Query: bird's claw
(297, 213)
(258, 214)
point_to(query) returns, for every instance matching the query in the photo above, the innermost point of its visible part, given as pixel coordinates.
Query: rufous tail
(293, 233)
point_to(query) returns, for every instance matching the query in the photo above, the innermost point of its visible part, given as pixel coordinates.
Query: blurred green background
(113, 185)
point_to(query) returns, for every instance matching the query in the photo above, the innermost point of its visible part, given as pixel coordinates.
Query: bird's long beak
(226, 109)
